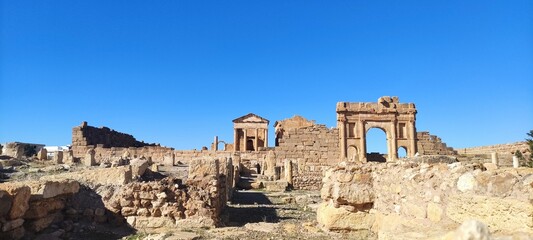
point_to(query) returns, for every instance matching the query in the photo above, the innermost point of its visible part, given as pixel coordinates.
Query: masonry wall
(428, 144)
(311, 150)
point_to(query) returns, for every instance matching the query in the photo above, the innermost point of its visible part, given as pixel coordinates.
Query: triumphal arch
(396, 119)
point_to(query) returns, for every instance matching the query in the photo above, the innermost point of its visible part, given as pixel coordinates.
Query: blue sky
(178, 72)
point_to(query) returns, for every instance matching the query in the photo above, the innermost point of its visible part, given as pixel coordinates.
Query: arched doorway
(402, 152)
(376, 145)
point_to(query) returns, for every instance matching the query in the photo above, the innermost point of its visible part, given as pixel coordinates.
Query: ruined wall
(19, 150)
(311, 150)
(30, 207)
(427, 198)
(110, 145)
(428, 144)
(501, 149)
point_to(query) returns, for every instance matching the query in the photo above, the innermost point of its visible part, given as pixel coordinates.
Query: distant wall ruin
(109, 144)
(428, 144)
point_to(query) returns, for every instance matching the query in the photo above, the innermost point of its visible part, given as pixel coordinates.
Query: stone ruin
(128, 183)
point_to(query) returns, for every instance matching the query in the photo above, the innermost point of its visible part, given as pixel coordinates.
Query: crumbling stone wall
(30, 207)
(386, 197)
(311, 149)
(428, 144)
(110, 145)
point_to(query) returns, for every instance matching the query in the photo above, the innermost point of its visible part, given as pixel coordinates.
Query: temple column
(245, 140)
(266, 138)
(412, 140)
(393, 154)
(341, 122)
(362, 141)
(256, 145)
(235, 140)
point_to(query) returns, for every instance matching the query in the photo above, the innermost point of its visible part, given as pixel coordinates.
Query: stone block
(20, 195)
(341, 219)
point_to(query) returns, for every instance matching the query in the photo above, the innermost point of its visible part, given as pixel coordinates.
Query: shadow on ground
(251, 207)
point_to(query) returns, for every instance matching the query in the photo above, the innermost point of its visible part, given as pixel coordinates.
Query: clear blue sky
(178, 72)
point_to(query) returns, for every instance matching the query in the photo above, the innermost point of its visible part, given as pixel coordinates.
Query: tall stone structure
(396, 119)
(250, 132)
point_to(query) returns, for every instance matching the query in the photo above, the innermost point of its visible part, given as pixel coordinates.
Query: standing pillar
(494, 158)
(288, 171)
(245, 139)
(412, 140)
(265, 144)
(256, 145)
(362, 141)
(235, 140)
(393, 154)
(341, 123)
(516, 164)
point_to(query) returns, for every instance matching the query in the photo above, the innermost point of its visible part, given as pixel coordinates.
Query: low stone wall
(32, 206)
(428, 198)
(505, 152)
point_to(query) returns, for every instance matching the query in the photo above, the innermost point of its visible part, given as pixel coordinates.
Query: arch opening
(402, 152)
(376, 142)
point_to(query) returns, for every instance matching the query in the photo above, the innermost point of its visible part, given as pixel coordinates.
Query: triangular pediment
(250, 118)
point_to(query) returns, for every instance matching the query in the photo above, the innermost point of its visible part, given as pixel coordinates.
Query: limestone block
(500, 185)
(101, 176)
(434, 212)
(50, 189)
(20, 195)
(41, 208)
(501, 214)
(469, 230)
(334, 219)
(466, 182)
(138, 167)
(276, 186)
(42, 154)
(200, 168)
(58, 157)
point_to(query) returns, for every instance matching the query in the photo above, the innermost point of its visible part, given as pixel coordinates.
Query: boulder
(138, 167)
(341, 218)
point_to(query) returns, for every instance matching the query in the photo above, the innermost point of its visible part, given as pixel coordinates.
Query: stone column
(266, 138)
(256, 138)
(341, 123)
(235, 140)
(58, 157)
(393, 154)
(494, 158)
(516, 164)
(362, 141)
(288, 170)
(412, 140)
(270, 170)
(215, 144)
(42, 154)
(245, 140)
(89, 158)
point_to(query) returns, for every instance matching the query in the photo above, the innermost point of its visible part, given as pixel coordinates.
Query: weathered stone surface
(5, 202)
(467, 182)
(275, 186)
(332, 218)
(20, 195)
(138, 167)
(41, 208)
(14, 234)
(434, 212)
(469, 230)
(508, 215)
(102, 176)
(50, 189)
